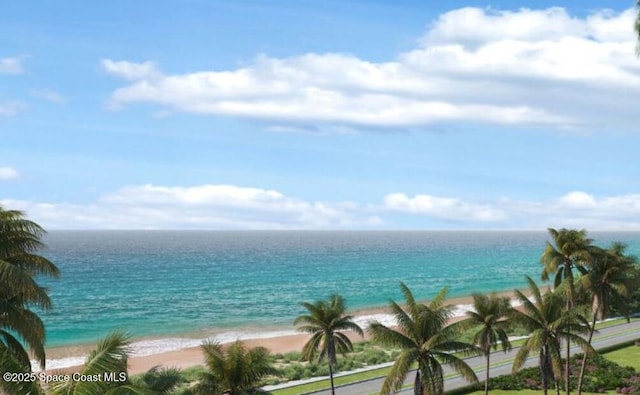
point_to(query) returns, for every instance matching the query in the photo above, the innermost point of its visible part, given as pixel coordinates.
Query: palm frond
(313, 347)
(19, 283)
(389, 337)
(109, 356)
(236, 370)
(129, 389)
(15, 348)
(8, 363)
(395, 378)
(27, 325)
(439, 299)
(346, 324)
(404, 321)
(520, 358)
(162, 380)
(459, 365)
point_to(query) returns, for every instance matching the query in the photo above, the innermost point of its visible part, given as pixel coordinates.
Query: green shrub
(601, 374)
(294, 355)
(293, 372)
(322, 370)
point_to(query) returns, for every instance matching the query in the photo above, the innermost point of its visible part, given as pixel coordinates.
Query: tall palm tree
(236, 371)
(20, 239)
(607, 282)
(489, 315)
(548, 323)
(326, 322)
(571, 249)
(106, 371)
(425, 339)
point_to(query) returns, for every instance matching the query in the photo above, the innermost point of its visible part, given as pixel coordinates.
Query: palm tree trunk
(333, 389)
(567, 371)
(567, 368)
(486, 382)
(584, 357)
(332, 360)
(543, 372)
(417, 385)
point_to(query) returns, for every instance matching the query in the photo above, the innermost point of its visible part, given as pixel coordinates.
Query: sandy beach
(191, 356)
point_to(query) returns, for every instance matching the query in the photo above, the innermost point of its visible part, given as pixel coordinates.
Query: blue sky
(320, 115)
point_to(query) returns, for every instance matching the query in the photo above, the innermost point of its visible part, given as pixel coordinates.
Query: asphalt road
(500, 363)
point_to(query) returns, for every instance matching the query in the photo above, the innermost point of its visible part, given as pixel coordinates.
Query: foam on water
(461, 309)
(158, 346)
(53, 364)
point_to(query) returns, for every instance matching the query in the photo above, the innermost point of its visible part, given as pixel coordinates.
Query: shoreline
(183, 351)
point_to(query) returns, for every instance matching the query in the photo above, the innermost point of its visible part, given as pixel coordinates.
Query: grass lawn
(628, 356)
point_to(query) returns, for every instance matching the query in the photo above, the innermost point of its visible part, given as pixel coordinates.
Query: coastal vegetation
(234, 371)
(20, 293)
(570, 249)
(425, 338)
(326, 322)
(549, 324)
(489, 315)
(604, 375)
(104, 371)
(607, 282)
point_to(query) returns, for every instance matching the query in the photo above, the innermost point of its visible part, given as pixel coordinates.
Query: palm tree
(237, 371)
(8, 363)
(160, 380)
(20, 239)
(425, 338)
(489, 316)
(325, 322)
(104, 371)
(548, 323)
(607, 283)
(572, 249)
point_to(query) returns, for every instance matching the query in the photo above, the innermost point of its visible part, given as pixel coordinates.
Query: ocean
(173, 288)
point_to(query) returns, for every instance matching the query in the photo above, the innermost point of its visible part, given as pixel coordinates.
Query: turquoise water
(163, 283)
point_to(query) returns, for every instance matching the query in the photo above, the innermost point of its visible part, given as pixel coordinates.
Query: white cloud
(8, 173)
(235, 207)
(48, 95)
(10, 108)
(530, 67)
(130, 70)
(198, 207)
(578, 209)
(442, 207)
(577, 200)
(475, 25)
(11, 66)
